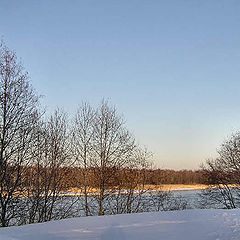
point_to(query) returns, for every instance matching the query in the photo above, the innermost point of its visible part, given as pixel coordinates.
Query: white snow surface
(176, 225)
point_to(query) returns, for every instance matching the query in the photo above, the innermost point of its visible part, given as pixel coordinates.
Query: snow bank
(177, 225)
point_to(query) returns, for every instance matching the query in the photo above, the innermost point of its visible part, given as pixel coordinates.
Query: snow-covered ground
(177, 225)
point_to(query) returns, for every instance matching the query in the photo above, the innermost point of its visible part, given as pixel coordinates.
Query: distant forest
(168, 176)
(74, 177)
(152, 177)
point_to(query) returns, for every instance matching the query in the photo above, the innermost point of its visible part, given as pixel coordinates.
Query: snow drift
(177, 225)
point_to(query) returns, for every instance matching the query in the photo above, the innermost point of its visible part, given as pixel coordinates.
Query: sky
(172, 67)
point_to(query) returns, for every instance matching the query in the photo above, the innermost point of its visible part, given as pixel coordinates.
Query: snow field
(196, 224)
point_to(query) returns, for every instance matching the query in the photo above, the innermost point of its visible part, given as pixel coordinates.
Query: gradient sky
(171, 67)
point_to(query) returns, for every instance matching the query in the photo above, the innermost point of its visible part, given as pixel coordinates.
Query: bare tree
(108, 159)
(112, 146)
(47, 176)
(223, 175)
(163, 200)
(18, 117)
(128, 193)
(83, 130)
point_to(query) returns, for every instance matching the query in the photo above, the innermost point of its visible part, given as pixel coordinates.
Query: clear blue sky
(171, 67)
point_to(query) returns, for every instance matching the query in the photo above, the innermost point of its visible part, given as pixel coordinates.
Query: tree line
(169, 176)
(74, 177)
(152, 176)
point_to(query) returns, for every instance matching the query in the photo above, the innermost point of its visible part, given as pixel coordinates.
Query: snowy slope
(176, 225)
